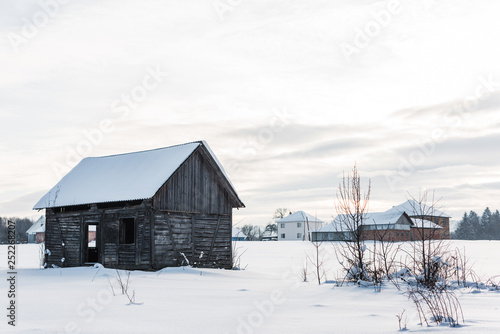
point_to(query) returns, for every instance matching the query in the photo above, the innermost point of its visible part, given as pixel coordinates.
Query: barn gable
(186, 190)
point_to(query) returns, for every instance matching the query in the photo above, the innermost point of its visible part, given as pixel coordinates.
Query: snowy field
(267, 297)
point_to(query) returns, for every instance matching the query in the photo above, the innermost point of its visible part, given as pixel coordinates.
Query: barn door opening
(91, 238)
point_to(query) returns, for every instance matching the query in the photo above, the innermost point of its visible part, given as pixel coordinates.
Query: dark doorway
(91, 243)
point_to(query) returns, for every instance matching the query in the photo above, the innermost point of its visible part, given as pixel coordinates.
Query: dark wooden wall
(65, 237)
(197, 187)
(204, 239)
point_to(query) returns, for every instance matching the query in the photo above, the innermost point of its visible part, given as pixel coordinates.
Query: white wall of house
(296, 230)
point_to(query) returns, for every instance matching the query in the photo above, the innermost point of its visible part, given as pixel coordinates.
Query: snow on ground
(267, 297)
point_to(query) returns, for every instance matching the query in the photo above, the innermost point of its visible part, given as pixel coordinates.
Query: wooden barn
(143, 210)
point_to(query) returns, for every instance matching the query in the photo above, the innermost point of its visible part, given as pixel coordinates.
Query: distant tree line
(22, 225)
(255, 232)
(475, 227)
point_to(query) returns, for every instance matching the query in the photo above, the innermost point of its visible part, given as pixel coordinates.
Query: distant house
(238, 235)
(405, 222)
(297, 226)
(36, 233)
(269, 236)
(434, 223)
(143, 210)
(394, 226)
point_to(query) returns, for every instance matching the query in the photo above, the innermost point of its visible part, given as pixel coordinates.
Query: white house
(298, 226)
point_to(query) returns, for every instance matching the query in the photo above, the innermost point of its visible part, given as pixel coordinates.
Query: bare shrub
(352, 208)
(41, 254)
(428, 249)
(303, 271)
(237, 253)
(124, 286)
(317, 261)
(494, 282)
(402, 321)
(438, 305)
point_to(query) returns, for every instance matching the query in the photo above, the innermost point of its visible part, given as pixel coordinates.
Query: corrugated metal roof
(122, 177)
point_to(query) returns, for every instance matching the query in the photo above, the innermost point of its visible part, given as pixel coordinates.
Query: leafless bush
(303, 272)
(461, 269)
(317, 261)
(121, 282)
(124, 286)
(376, 270)
(41, 254)
(426, 256)
(494, 282)
(352, 208)
(438, 305)
(402, 321)
(111, 285)
(236, 256)
(383, 263)
(386, 254)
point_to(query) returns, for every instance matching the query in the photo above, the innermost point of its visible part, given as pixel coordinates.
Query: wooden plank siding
(195, 187)
(186, 211)
(68, 228)
(195, 243)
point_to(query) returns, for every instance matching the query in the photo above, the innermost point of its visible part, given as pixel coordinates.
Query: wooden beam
(213, 240)
(171, 232)
(193, 247)
(152, 237)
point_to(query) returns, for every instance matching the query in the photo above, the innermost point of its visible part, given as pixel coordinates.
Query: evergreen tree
(485, 233)
(475, 225)
(495, 225)
(463, 230)
(3, 231)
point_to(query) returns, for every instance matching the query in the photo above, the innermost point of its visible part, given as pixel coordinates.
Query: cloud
(226, 80)
(20, 206)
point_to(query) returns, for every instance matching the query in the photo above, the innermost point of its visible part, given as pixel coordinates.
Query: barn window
(299, 235)
(282, 235)
(282, 225)
(299, 224)
(127, 231)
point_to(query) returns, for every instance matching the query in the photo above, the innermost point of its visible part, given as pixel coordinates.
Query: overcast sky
(288, 94)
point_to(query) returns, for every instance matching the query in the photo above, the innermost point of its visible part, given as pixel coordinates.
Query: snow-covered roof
(237, 233)
(373, 218)
(299, 217)
(377, 218)
(382, 218)
(122, 177)
(332, 227)
(424, 223)
(412, 208)
(37, 227)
